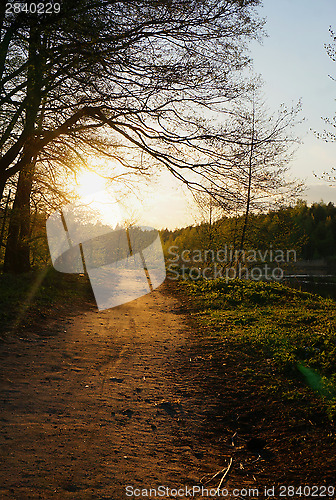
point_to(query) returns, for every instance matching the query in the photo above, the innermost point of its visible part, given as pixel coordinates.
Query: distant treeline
(310, 230)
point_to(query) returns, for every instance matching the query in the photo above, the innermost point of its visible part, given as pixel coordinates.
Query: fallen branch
(256, 460)
(225, 471)
(212, 477)
(224, 475)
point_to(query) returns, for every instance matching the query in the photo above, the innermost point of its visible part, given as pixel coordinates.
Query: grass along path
(292, 330)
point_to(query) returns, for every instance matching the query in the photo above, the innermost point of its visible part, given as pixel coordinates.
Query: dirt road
(98, 406)
(132, 396)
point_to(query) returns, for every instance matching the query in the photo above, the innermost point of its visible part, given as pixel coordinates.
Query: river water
(324, 285)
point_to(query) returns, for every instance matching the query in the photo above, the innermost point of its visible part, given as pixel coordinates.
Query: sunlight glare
(92, 191)
(89, 183)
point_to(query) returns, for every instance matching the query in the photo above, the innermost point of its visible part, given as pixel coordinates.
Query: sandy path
(101, 406)
(137, 396)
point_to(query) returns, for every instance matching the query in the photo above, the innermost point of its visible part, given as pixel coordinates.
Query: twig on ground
(224, 475)
(212, 477)
(256, 460)
(232, 439)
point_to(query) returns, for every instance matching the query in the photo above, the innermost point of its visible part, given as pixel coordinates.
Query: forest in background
(310, 230)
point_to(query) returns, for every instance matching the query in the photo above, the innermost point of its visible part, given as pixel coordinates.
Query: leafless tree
(259, 159)
(329, 135)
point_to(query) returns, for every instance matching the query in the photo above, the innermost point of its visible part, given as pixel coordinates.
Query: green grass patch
(294, 330)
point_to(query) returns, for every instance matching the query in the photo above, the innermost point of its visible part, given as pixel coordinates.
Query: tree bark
(3, 180)
(17, 256)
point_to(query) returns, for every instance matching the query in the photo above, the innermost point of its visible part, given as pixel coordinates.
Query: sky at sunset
(294, 66)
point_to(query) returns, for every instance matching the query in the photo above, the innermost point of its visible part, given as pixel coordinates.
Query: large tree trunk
(17, 256)
(3, 180)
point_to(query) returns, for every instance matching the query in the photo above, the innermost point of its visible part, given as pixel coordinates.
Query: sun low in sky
(93, 190)
(143, 203)
(89, 183)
